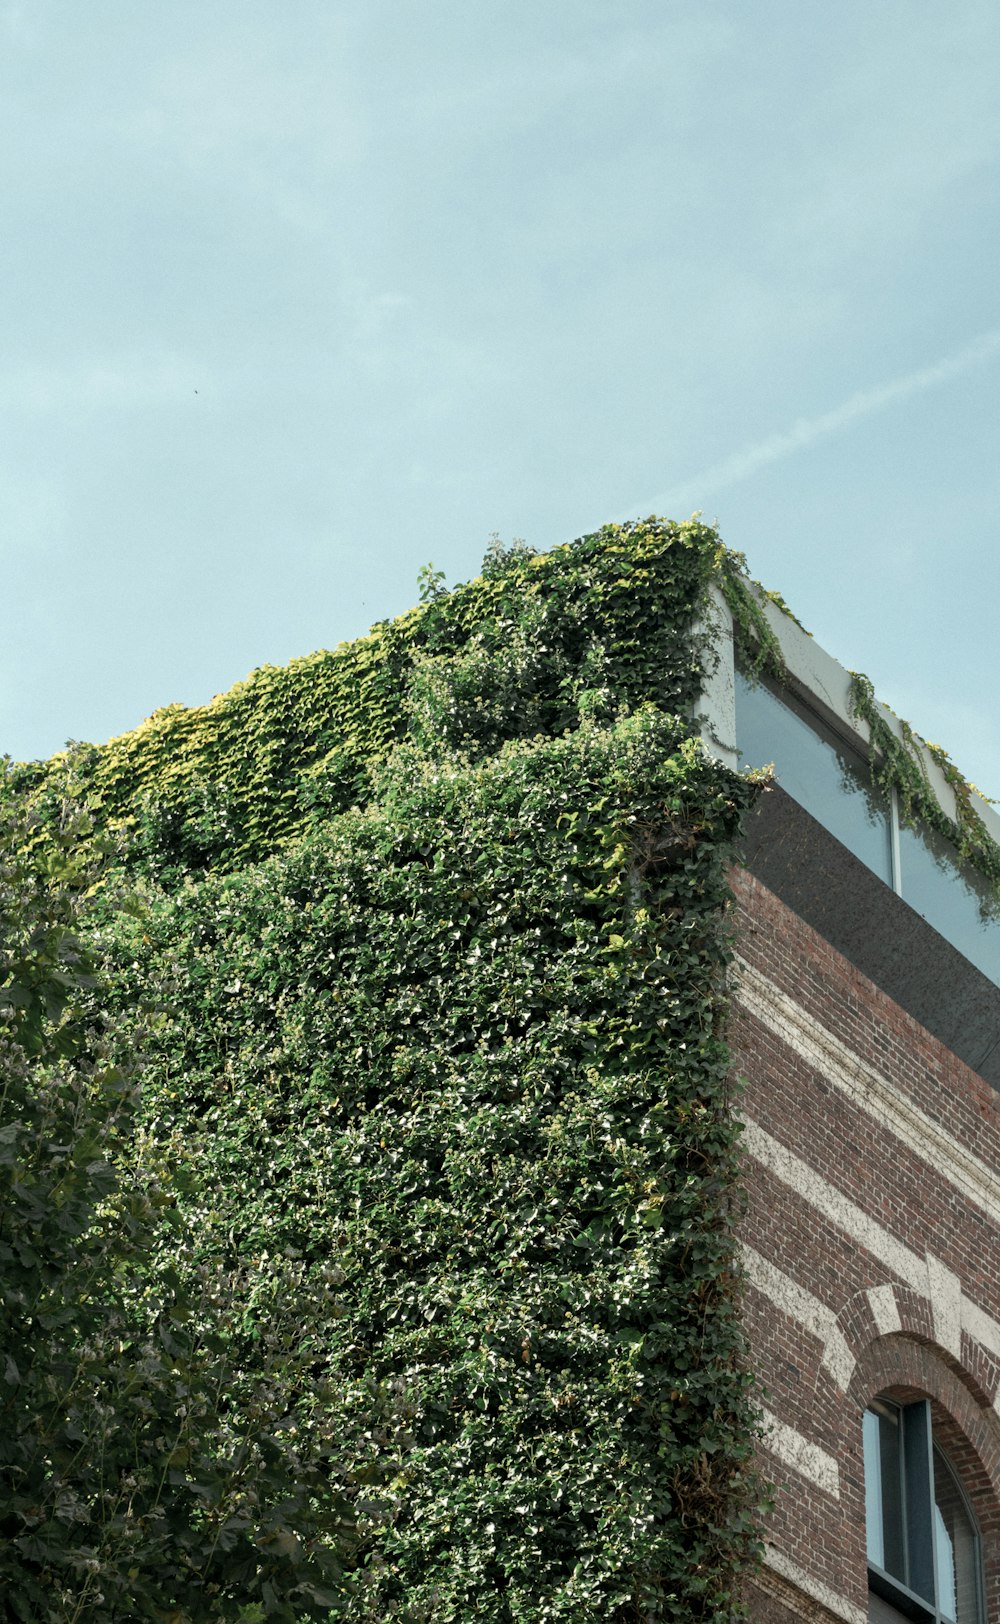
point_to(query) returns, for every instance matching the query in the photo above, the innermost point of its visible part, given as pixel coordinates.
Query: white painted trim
(806, 1310)
(808, 1459)
(716, 708)
(895, 851)
(837, 1605)
(872, 1092)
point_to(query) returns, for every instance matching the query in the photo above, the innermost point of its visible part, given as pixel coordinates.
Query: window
(951, 896)
(819, 769)
(923, 1545)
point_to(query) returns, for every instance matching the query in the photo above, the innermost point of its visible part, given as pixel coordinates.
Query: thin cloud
(807, 431)
(131, 381)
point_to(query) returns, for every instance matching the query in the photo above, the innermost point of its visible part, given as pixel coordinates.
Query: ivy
(431, 936)
(537, 644)
(469, 1041)
(167, 1451)
(754, 637)
(897, 763)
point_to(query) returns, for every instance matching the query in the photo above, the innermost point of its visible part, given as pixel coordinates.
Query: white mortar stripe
(868, 1089)
(927, 1275)
(808, 1459)
(834, 1603)
(898, 1258)
(806, 1310)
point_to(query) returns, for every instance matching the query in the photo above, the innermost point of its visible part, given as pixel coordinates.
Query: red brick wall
(895, 1181)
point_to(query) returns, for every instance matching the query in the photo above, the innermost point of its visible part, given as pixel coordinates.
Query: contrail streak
(808, 430)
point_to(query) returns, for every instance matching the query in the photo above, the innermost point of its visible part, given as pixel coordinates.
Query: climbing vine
(897, 759)
(430, 936)
(532, 647)
(898, 762)
(755, 639)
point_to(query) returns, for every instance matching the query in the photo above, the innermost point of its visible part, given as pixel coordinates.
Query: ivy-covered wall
(532, 647)
(431, 931)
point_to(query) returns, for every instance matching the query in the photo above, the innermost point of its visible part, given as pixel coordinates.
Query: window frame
(910, 1598)
(834, 733)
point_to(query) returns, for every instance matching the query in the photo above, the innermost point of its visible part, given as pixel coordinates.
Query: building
(866, 1022)
(444, 917)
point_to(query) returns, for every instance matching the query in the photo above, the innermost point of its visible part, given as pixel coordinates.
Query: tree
(168, 1451)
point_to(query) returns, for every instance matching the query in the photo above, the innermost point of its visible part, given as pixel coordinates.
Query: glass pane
(950, 896)
(883, 1490)
(873, 1492)
(944, 1556)
(957, 1549)
(816, 769)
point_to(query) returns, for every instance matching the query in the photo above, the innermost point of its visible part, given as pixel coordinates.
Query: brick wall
(872, 1250)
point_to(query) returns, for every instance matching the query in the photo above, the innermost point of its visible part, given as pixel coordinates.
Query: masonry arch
(882, 1312)
(903, 1370)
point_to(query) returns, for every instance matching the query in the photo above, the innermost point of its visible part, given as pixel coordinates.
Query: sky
(298, 297)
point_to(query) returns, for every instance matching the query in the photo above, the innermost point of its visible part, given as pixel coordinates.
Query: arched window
(924, 1559)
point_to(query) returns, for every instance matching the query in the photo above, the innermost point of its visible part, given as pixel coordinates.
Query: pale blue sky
(299, 295)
